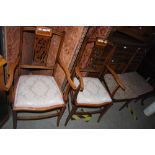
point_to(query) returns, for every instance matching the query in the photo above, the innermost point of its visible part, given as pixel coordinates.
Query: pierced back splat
(41, 45)
(43, 49)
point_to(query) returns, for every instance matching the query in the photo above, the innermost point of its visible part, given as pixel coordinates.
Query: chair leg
(124, 105)
(68, 107)
(70, 114)
(60, 116)
(103, 112)
(14, 120)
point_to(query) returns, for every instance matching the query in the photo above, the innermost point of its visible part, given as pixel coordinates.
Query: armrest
(11, 71)
(116, 77)
(67, 73)
(2, 61)
(79, 76)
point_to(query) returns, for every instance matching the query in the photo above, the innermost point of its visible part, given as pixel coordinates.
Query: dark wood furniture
(131, 47)
(90, 92)
(4, 113)
(129, 51)
(35, 92)
(122, 55)
(126, 86)
(4, 88)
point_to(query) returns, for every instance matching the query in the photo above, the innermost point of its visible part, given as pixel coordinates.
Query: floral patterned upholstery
(37, 91)
(134, 83)
(94, 92)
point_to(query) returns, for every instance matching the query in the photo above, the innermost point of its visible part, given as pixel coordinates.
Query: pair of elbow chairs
(36, 93)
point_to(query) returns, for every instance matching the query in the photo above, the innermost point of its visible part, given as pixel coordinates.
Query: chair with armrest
(37, 93)
(90, 92)
(126, 86)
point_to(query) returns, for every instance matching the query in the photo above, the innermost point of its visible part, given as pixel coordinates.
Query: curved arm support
(11, 70)
(67, 73)
(116, 77)
(79, 76)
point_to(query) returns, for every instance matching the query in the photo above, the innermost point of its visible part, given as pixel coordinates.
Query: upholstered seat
(40, 94)
(90, 92)
(93, 93)
(37, 91)
(134, 83)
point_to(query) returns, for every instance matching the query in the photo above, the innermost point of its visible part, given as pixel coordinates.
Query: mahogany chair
(90, 92)
(35, 92)
(4, 88)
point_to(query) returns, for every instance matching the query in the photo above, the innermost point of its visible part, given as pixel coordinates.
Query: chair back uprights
(100, 55)
(44, 53)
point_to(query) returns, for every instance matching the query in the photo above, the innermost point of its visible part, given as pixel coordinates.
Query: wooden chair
(4, 88)
(90, 92)
(126, 87)
(35, 92)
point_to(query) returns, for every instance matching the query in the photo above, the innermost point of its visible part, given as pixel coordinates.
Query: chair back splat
(41, 51)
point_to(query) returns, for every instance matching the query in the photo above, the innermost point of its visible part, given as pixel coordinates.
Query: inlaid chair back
(96, 64)
(100, 55)
(42, 49)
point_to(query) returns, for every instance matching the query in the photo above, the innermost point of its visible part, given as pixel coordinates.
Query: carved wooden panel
(93, 32)
(99, 57)
(41, 49)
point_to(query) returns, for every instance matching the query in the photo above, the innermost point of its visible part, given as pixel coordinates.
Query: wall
(12, 43)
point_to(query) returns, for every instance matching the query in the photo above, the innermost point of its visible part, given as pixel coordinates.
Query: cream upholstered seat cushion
(134, 83)
(37, 91)
(94, 92)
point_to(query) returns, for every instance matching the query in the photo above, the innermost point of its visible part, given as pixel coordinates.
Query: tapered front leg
(70, 114)
(14, 119)
(60, 116)
(124, 105)
(103, 112)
